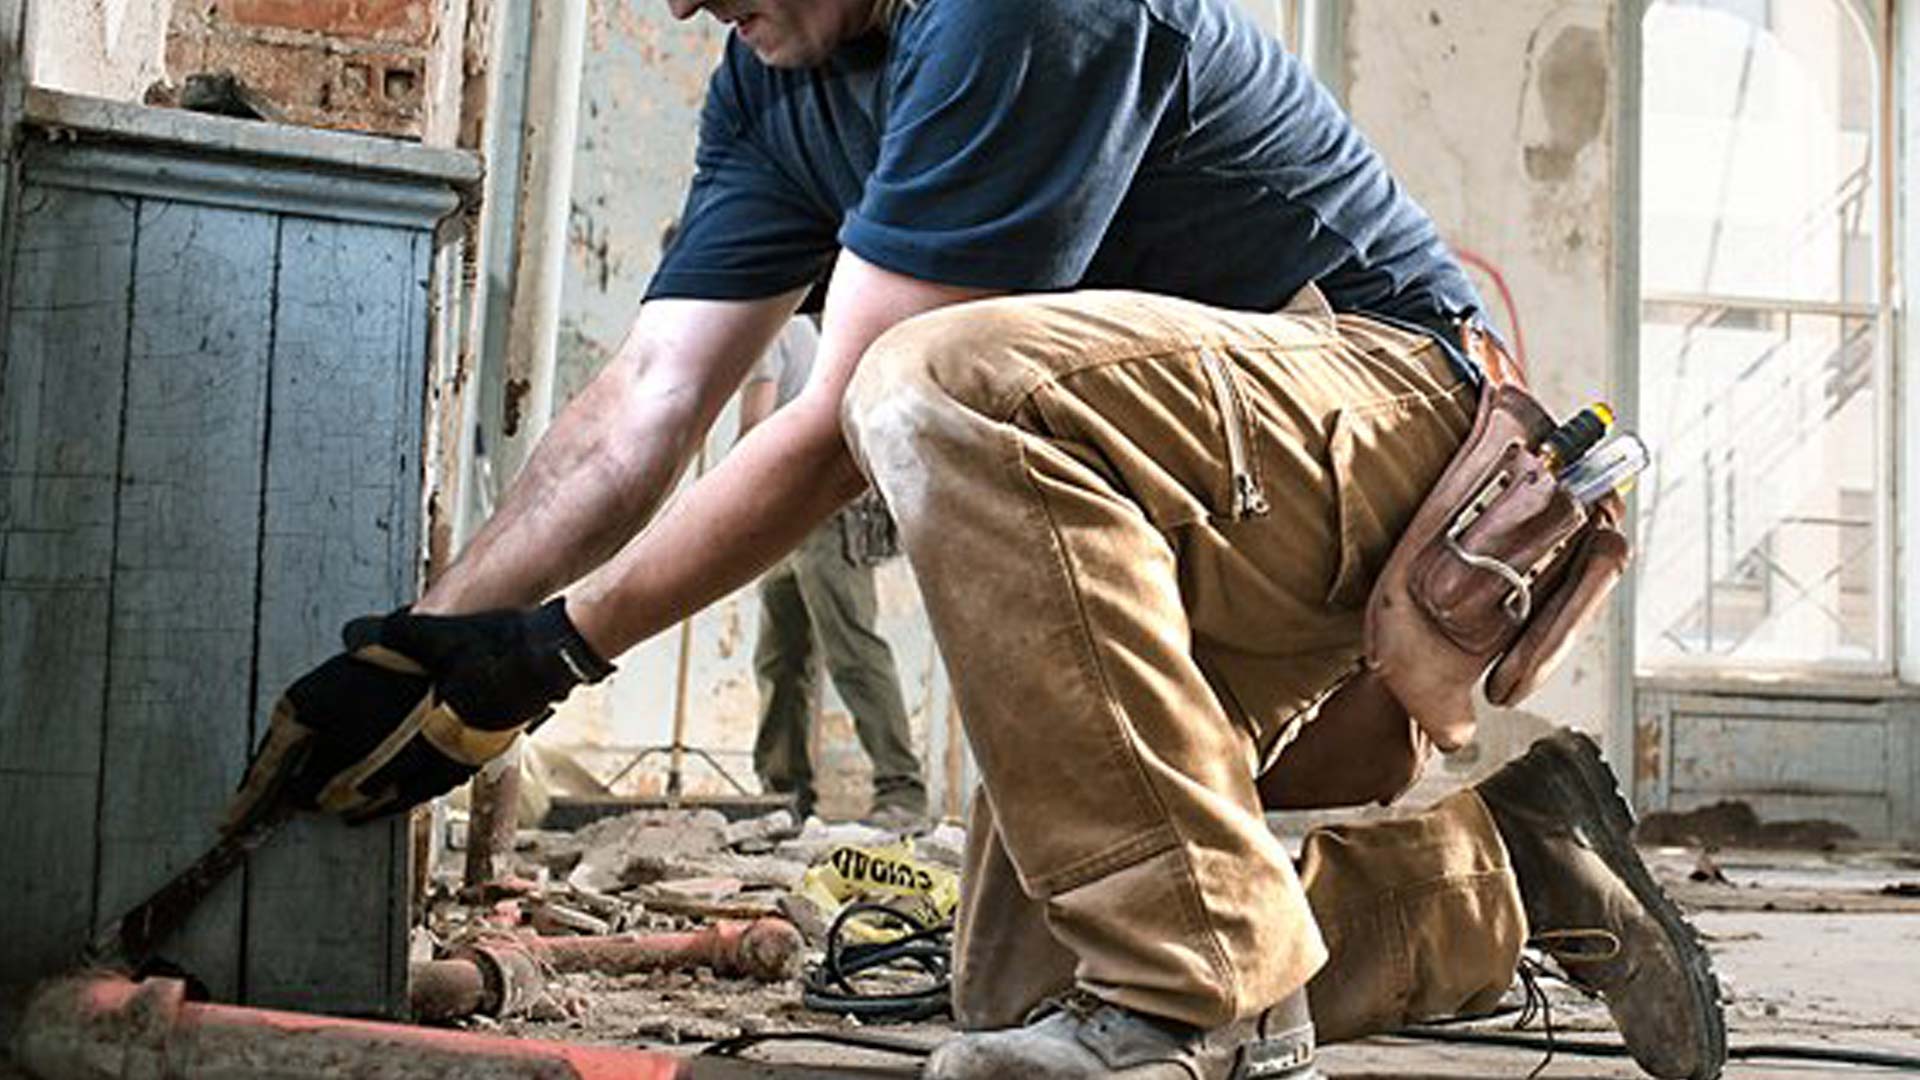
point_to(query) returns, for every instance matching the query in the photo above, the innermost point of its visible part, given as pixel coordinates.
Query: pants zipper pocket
(1247, 500)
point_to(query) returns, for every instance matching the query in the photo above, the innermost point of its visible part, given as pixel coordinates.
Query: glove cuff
(553, 629)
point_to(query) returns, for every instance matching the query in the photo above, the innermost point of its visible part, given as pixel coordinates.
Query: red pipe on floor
(103, 1027)
(504, 976)
(765, 949)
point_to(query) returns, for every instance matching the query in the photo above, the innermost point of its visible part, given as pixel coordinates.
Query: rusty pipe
(497, 978)
(98, 1026)
(502, 977)
(493, 796)
(764, 949)
(451, 989)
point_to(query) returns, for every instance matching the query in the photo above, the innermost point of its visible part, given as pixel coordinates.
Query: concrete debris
(671, 897)
(759, 835)
(614, 852)
(1733, 824)
(1708, 871)
(554, 918)
(946, 844)
(818, 837)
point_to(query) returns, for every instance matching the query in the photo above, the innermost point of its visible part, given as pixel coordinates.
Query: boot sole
(1612, 839)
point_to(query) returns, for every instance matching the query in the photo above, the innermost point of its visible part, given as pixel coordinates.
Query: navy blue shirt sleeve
(747, 230)
(1012, 133)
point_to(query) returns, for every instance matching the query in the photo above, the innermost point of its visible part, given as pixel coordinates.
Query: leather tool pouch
(1497, 573)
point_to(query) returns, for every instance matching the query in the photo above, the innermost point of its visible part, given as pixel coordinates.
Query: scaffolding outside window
(1764, 374)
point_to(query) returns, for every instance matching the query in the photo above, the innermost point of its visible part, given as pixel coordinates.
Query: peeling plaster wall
(106, 48)
(1499, 116)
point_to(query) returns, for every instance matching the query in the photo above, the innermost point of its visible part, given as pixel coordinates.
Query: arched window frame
(1897, 617)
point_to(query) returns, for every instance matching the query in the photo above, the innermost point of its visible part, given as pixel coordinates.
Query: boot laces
(1568, 949)
(1535, 1002)
(1077, 1003)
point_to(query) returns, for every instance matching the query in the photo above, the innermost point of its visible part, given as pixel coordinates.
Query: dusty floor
(1812, 949)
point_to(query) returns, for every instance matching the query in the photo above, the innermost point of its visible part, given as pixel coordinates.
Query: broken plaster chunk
(762, 830)
(616, 852)
(946, 845)
(819, 837)
(551, 918)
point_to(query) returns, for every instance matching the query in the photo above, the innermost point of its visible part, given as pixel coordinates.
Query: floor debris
(614, 938)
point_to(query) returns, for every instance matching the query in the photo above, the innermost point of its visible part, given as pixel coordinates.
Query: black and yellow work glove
(411, 709)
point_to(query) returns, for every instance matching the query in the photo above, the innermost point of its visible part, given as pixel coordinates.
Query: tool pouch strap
(1499, 569)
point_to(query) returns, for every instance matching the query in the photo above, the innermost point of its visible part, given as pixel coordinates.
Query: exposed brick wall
(406, 21)
(357, 65)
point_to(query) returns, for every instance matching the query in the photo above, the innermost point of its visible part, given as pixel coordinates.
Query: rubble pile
(662, 926)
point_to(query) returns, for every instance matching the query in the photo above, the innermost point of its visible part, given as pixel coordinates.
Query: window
(1764, 376)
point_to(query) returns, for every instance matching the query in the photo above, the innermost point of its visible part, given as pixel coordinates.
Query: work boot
(1081, 1037)
(896, 819)
(1593, 907)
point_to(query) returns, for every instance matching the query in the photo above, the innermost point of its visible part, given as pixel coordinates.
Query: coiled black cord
(830, 986)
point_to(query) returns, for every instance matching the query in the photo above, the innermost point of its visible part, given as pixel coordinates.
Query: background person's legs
(841, 603)
(1070, 474)
(783, 664)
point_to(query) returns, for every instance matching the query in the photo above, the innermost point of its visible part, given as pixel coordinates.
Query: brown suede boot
(1081, 1037)
(1593, 907)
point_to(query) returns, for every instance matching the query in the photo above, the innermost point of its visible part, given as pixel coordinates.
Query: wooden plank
(326, 904)
(60, 404)
(183, 599)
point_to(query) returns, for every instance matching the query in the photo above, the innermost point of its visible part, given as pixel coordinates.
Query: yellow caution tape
(892, 875)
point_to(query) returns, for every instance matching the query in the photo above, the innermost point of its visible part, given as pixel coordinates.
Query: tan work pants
(1145, 530)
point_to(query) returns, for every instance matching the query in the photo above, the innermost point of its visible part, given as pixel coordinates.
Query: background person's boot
(1593, 907)
(1082, 1038)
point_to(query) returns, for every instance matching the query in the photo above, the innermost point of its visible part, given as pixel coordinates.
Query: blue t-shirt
(1170, 146)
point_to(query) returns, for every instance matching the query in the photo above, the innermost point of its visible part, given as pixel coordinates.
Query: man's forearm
(610, 458)
(603, 468)
(786, 477)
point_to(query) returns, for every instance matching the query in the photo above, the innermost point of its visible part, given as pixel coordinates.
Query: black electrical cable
(734, 1047)
(1839, 1055)
(830, 985)
(884, 1044)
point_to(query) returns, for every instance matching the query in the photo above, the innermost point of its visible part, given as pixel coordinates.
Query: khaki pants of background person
(1145, 530)
(817, 606)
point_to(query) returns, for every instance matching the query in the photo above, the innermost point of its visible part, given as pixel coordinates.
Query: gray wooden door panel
(1830, 758)
(1731, 754)
(210, 427)
(60, 392)
(339, 541)
(180, 686)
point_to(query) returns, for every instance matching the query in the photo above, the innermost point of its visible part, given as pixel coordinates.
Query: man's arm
(757, 400)
(784, 478)
(612, 455)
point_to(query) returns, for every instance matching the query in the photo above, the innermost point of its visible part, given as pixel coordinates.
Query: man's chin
(784, 54)
(788, 58)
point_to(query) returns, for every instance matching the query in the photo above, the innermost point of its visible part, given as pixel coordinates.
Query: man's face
(786, 33)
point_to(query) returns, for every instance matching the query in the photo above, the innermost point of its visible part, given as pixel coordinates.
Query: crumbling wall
(104, 48)
(357, 65)
(1499, 116)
